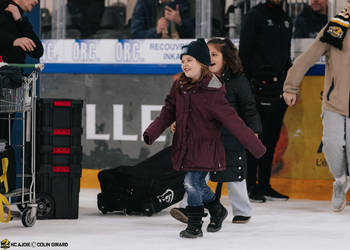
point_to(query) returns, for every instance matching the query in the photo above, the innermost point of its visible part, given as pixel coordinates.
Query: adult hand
(173, 127)
(13, 9)
(162, 25)
(173, 15)
(290, 99)
(25, 43)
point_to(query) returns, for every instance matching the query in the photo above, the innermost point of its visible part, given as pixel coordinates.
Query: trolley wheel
(21, 207)
(46, 206)
(27, 219)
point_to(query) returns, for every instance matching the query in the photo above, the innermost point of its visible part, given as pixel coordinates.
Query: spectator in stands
(311, 19)
(86, 15)
(162, 19)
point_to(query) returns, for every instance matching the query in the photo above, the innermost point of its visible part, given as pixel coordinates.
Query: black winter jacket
(240, 97)
(265, 40)
(309, 23)
(10, 31)
(144, 20)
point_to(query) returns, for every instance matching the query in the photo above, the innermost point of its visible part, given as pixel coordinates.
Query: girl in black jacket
(226, 63)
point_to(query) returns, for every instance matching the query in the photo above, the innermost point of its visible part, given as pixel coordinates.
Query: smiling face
(191, 67)
(216, 60)
(26, 5)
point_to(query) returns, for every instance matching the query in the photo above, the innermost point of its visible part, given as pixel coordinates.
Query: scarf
(336, 30)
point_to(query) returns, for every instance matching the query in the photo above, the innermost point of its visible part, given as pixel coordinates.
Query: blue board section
(316, 70)
(136, 69)
(152, 69)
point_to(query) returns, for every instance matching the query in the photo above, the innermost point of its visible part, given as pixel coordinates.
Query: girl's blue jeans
(197, 189)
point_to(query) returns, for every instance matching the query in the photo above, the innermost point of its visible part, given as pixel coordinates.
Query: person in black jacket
(311, 20)
(162, 19)
(86, 15)
(226, 63)
(265, 44)
(17, 39)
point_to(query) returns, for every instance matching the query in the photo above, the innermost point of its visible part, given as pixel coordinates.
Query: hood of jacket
(211, 82)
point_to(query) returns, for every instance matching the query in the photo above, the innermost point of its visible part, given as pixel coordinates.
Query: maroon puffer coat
(199, 113)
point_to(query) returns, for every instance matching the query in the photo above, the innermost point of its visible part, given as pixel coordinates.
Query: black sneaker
(272, 195)
(179, 214)
(241, 219)
(256, 195)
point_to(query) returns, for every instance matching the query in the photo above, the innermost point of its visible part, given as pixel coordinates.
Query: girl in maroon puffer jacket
(198, 105)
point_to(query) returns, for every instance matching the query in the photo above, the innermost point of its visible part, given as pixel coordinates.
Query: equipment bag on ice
(146, 188)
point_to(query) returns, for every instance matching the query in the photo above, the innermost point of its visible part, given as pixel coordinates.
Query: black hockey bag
(145, 188)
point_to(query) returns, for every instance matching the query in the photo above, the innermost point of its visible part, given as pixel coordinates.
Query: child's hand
(173, 127)
(146, 139)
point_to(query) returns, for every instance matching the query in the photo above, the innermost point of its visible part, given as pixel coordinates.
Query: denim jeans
(197, 189)
(336, 142)
(238, 195)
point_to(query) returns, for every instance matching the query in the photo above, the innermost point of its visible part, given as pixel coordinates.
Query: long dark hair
(232, 62)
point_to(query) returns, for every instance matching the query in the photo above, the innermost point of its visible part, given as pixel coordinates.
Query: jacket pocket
(330, 90)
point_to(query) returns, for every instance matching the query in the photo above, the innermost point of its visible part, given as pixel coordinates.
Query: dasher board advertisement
(139, 56)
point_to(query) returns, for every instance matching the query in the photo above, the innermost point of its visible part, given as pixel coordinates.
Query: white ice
(295, 224)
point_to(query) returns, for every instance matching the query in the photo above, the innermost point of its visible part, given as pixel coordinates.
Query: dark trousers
(260, 170)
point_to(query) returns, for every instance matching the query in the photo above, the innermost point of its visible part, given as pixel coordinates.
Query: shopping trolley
(22, 100)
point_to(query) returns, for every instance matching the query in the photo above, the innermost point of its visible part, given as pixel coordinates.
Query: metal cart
(22, 100)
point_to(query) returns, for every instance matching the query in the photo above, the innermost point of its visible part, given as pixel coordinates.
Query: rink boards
(124, 83)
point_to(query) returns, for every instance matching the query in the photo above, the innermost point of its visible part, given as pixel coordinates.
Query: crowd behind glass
(125, 19)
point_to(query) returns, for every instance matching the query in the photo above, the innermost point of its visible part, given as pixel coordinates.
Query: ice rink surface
(295, 224)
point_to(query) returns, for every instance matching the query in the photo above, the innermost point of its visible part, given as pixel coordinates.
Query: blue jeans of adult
(197, 189)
